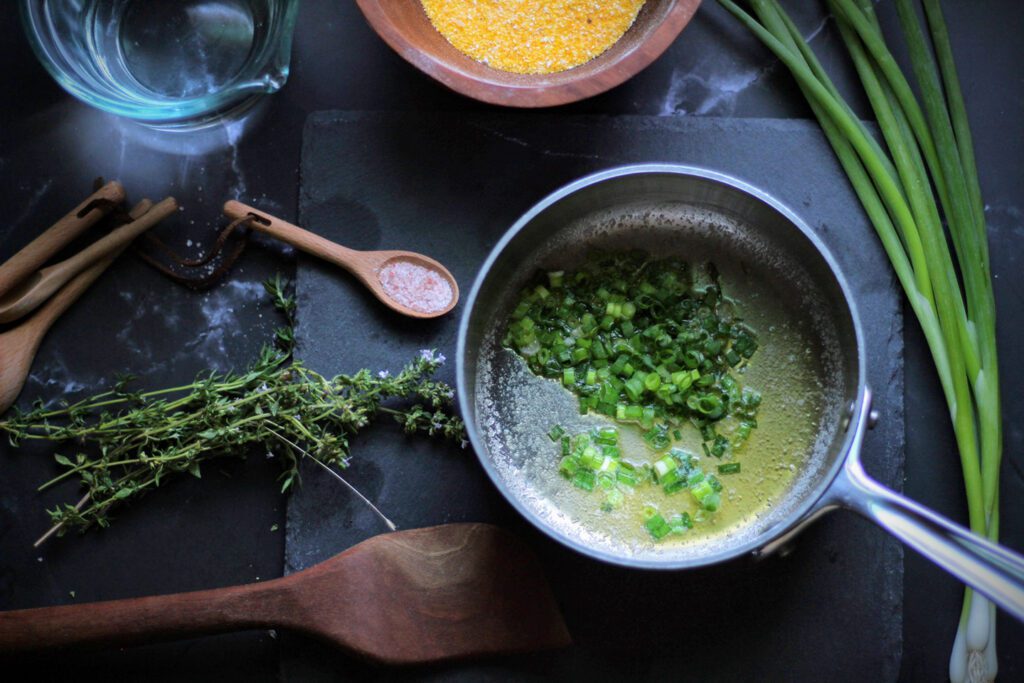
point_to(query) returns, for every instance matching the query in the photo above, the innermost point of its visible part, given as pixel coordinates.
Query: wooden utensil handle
(120, 237)
(131, 621)
(303, 240)
(39, 250)
(70, 292)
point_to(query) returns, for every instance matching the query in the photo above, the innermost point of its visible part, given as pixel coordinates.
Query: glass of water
(169, 63)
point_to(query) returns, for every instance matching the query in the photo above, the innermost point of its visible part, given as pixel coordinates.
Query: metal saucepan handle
(990, 569)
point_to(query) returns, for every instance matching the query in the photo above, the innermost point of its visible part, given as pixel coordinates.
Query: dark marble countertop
(226, 530)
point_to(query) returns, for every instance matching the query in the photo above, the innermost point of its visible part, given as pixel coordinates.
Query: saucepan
(697, 214)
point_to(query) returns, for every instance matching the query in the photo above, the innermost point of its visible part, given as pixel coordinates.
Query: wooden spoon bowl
(405, 27)
(366, 266)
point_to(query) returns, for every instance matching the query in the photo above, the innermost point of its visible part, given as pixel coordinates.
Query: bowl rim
(534, 96)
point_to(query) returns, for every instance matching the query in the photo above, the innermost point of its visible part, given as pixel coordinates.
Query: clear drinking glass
(164, 62)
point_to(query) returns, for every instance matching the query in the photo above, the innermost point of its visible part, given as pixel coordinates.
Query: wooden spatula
(425, 595)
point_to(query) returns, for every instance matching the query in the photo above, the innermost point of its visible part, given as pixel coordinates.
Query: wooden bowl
(403, 24)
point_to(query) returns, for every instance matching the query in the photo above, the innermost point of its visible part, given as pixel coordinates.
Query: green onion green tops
(593, 461)
(638, 340)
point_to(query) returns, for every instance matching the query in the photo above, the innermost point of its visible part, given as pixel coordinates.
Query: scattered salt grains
(415, 286)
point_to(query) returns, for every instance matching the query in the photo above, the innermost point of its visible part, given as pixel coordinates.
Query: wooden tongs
(25, 285)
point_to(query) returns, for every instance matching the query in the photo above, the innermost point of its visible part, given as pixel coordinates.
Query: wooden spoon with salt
(407, 597)
(409, 283)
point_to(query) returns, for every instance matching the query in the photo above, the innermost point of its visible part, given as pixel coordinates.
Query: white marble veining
(711, 87)
(708, 90)
(501, 135)
(55, 378)
(219, 309)
(234, 131)
(34, 197)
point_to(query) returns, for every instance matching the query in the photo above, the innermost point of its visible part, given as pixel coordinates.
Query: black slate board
(449, 186)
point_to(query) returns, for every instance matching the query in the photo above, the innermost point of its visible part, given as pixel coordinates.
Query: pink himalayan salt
(416, 287)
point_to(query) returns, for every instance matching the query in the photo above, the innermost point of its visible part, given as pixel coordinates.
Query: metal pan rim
(806, 507)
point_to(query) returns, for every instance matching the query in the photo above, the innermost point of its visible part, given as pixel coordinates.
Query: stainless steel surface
(700, 214)
(757, 230)
(993, 570)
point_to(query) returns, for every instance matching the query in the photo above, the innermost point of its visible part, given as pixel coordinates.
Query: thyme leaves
(121, 444)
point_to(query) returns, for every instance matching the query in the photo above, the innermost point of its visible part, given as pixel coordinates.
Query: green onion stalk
(925, 174)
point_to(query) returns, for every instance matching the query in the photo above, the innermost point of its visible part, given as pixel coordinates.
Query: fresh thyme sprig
(128, 443)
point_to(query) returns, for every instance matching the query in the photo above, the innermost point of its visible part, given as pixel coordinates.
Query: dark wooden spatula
(424, 595)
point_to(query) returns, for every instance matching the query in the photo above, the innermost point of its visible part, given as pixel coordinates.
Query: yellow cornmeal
(532, 36)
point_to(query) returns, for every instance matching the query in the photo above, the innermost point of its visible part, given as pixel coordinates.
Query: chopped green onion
(632, 336)
(657, 526)
(658, 437)
(664, 467)
(627, 477)
(647, 417)
(701, 490)
(611, 451)
(593, 460)
(652, 382)
(680, 523)
(556, 433)
(568, 466)
(729, 468)
(674, 486)
(585, 479)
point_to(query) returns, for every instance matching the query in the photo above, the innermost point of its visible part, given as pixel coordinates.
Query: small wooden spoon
(365, 265)
(424, 595)
(18, 346)
(34, 290)
(39, 250)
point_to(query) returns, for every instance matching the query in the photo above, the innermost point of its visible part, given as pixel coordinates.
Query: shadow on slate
(449, 186)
